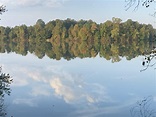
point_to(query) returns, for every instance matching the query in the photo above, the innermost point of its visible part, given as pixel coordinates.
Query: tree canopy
(69, 39)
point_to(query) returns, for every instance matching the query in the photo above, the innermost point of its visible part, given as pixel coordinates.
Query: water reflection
(81, 87)
(70, 39)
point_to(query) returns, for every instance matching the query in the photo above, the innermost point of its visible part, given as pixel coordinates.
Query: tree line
(69, 39)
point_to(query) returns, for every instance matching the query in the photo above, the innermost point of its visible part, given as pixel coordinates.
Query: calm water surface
(90, 87)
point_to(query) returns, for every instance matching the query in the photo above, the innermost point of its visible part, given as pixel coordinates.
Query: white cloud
(71, 88)
(29, 102)
(37, 91)
(74, 90)
(18, 81)
(90, 99)
(49, 3)
(65, 90)
(37, 76)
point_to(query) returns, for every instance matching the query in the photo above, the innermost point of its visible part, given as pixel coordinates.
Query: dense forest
(69, 39)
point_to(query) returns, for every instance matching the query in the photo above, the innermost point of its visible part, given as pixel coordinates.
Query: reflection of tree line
(70, 39)
(5, 81)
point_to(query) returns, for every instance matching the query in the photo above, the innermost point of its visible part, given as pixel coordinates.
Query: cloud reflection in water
(44, 82)
(72, 88)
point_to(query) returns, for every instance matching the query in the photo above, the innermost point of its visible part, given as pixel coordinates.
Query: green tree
(48, 29)
(39, 28)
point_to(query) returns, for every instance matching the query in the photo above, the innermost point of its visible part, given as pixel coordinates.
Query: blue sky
(29, 11)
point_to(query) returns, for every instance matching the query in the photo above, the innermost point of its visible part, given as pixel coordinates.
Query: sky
(29, 11)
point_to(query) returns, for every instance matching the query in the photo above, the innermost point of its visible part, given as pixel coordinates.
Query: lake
(88, 87)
